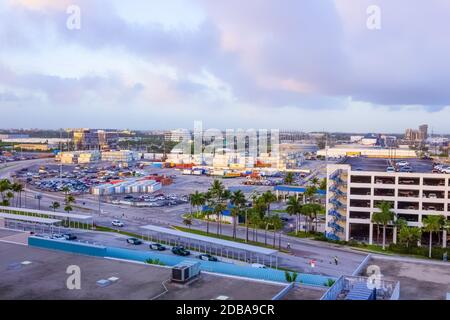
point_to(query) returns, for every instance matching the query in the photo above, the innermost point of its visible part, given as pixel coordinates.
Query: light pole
(38, 197)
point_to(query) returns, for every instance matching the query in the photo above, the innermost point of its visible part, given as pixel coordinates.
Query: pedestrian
(288, 246)
(336, 261)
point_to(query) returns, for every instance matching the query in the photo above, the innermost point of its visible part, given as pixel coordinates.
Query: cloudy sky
(297, 64)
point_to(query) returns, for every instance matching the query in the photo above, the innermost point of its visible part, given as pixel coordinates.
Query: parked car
(70, 236)
(432, 196)
(258, 265)
(446, 170)
(180, 251)
(405, 169)
(117, 223)
(157, 246)
(58, 237)
(390, 169)
(134, 241)
(207, 257)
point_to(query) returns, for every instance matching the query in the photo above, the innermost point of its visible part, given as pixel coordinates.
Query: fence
(170, 260)
(283, 292)
(362, 265)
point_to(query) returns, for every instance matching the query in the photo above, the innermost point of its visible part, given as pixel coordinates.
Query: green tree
(237, 199)
(323, 184)
(294, 207)
(197, 200)
(18, 189)
(187, 221)
(268, 198)
(289, 178)
(384, 217)
(431, 224)
(409, 235)
(312, 211)
(277, 224)
(55, 205)
(5, 187)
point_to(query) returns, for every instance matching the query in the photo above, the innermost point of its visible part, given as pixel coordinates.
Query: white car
(446, 170)
(258, 265)
(117, 223)
(402, 163)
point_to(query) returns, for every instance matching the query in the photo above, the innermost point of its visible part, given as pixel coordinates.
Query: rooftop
(220, 242)
(380, 164)
(45, 278)
(19, 217)
(26, 211)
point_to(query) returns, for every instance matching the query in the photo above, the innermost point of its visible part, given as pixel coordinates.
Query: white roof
(224, 243)
(48, 213)
(28, 218)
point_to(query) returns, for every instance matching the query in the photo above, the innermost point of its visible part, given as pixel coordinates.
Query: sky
(310, 65)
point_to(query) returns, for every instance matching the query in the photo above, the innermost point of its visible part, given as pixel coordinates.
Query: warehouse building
(357, 186)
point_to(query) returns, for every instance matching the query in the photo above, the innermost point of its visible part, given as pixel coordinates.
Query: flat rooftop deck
(380, 165)
(45, 278)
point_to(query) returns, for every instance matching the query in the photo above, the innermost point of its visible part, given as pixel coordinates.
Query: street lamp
(38, 197)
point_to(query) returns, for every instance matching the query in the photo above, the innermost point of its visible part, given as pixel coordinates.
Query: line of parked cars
(177, 250)
(55, 236)
(441, 168)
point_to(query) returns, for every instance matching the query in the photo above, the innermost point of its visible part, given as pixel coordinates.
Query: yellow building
(32, 146)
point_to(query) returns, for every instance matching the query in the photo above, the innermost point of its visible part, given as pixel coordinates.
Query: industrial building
(78, 157)
(127, 186)
(372, 152)
(124, 156)
(356, 187)
(92, 139)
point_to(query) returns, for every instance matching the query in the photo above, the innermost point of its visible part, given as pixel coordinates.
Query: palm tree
(17, 188)
(307, 212)
(384, 217)
(237, 199)
(255, 219)
(5, 186)
(267, 198)
(219, 194)
(207, 197)
(276, 224)
(294, 208)
(218, 209)
(323, 184)
(313, 210)
(197, 199)
(188, 221)
(289, 178)
(431, 224)
(55, 205)
(310, 192)
(247, 214)
(408, 235)
(315, 181)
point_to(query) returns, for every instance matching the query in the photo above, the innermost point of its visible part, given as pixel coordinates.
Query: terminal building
(356, 187)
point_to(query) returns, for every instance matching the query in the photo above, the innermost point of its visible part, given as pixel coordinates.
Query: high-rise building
(91, 139)
(423, 130)
(417, 135)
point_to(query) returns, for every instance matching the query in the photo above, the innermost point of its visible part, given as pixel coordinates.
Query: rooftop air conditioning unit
(185, 271)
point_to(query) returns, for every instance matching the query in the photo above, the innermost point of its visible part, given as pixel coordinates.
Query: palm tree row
(408, 235)
(217, 199)
(310, 211)
(8, 192)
